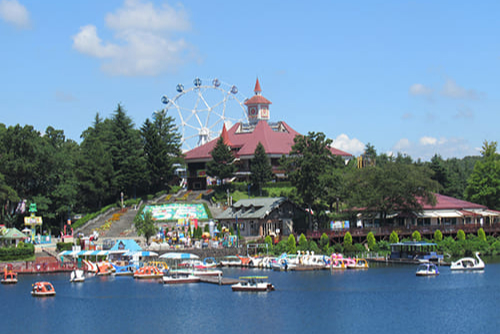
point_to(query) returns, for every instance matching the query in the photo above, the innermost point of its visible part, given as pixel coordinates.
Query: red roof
(257, 99)
(274, 142)
(445, 202)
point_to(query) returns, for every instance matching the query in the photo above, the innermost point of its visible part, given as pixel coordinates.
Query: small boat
(358, 264)
(427, 269)
(148, 272)
(77, 276)
(43, 289)
(104, 269)
(9, 276)
(127, 270)
(253, 284)
(468, 263)
(180, 278)
(230, 261)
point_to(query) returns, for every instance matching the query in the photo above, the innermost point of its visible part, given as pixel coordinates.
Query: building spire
(257, 88)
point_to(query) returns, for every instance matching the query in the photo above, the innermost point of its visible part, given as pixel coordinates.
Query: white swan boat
(468, 263)
(427, 269)
(77, 275)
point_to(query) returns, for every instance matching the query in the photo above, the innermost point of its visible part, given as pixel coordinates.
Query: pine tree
(221, 167)
(260, 167)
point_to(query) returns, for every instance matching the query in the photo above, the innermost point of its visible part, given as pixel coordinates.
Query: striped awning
(84, 253)
(140, 253)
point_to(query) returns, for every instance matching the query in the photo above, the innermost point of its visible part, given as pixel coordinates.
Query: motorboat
(253, 284)
(180, 278)
(43, 289)
(427, 269)
(9, 276)
(77, 276)
(230, 261)
(468, 263)
(148, 272)
(358, 263)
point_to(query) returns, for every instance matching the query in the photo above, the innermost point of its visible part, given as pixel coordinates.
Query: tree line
(114, 157)
(63, 177)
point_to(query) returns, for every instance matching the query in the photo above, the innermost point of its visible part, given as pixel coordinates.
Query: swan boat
(468, 263)
(427, 269)
(9, 276)
(77, 276)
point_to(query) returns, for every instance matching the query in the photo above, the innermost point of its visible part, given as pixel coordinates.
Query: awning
(141, 253)
(449, 214)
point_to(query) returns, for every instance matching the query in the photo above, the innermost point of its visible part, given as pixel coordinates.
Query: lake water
(383, 299)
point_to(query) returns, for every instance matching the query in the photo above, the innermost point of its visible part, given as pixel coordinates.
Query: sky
(413, 77)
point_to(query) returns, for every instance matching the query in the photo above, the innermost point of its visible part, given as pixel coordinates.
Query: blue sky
(416, 77)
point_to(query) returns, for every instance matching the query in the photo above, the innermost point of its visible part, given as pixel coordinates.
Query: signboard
(176, 211)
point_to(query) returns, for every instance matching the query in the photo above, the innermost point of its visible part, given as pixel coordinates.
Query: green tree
(481, 235)
(483, 185)
(309, 159)
(260, 167)
(145, 226)
(127, 154)
(461, 235)
(221, 166)
(162, 148)
(415, 236)
(292, 246)
(438, 236)
(371, 241)
(394, 238)
(324, 242)
(95, 167)
(348, 241)
(303, 244)
(398, 187)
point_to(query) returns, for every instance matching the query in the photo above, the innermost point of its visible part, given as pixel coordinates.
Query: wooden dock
(219, 280)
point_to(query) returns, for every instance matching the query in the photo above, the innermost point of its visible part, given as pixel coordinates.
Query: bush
(17, 253)
(370, 240)
(438, 236)
(64, 246)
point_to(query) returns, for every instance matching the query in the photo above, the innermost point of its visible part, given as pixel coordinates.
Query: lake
(382, 299)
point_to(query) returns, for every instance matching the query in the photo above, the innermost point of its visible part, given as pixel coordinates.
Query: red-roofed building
(243, 138)
(447, 211)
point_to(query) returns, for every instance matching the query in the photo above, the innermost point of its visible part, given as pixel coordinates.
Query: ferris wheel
(203, 108)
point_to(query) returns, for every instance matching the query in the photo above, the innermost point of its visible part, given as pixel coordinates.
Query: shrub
(394, 238)
(438, 236)
(370, 240)
(460, 235)
(416, 236)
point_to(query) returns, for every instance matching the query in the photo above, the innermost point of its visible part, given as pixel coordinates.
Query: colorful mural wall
(176, 211)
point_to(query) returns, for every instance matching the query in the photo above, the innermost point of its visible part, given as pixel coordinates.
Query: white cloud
(144, 33)
(451, 89)
(427, 147)
(420, 90)
(13, 12)
(401, 145)
(427, 141)
(344, 143)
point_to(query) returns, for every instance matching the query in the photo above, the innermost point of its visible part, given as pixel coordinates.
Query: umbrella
(26, 230)
(179, 256)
